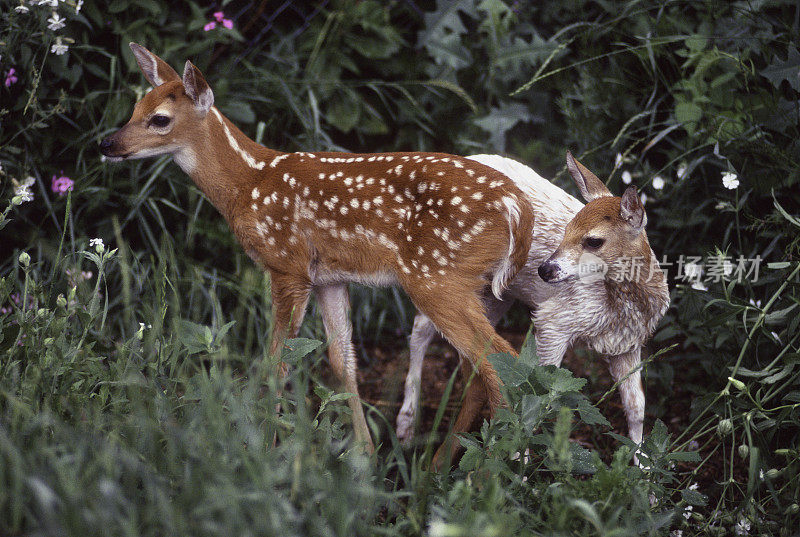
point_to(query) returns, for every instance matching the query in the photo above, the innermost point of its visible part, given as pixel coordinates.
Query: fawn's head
(607, 231)
(167, 117)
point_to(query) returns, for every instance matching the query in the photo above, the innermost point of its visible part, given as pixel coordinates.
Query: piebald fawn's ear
(590, 186)
(197, 88)
(631, 209)
(155, 70)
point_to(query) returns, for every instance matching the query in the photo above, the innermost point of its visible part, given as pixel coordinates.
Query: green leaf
(692, 497)
(296, 349)
(510, 370)
(532, 410)
(583, 460)
(500, 120)
(688, 114)
(788, 70)
(558, 380)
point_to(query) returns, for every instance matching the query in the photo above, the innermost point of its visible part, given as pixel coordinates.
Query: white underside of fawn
(598, 313)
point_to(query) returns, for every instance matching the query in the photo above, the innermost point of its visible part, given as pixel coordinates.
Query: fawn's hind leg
(470, 332)
(421, 337)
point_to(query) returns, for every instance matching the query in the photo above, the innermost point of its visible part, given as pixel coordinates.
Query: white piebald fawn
(612, 312)
(441, 226)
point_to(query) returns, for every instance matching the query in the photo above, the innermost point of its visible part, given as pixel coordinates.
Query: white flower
(51, 3)
(687, 512)
(694, 486)
(680, 173)
(59, 48)
(643, 197)
(730, 180)
(676, 533)
(98, 245)
(78, 6)
(626, 177)
(742, 527)
(23, 189)
(618, 160)
(778, 339)
(756, 303)
(658, 182)
(56, 22)
(22, 8)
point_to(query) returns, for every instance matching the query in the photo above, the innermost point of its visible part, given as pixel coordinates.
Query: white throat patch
(247, 157)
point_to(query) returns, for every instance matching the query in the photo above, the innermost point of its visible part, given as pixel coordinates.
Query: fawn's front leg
(625, 369)
(335, 303)
(290, 295)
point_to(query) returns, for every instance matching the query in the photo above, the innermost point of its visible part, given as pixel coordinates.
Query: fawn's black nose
(546, 271)
(106, 146)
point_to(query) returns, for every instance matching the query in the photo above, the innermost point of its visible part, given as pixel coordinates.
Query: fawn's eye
(593, 242)
(160, 120)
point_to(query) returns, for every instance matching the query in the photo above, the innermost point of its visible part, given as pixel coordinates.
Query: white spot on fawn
(255, 193)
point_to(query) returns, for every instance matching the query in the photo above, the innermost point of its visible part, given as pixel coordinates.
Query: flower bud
(744, 451)
(16, 200)
(738, 384)
(24, 259)
(724, 427)
(61, 302)
(792, 509)
(772, 473)
(41, 312)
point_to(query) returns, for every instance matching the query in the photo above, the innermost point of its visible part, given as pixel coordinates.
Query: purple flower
(220, 18)
(61, 185)
(11, 77)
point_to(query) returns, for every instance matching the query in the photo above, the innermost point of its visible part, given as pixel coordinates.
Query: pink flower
(11, 78)
(220, 18)
(61, 185)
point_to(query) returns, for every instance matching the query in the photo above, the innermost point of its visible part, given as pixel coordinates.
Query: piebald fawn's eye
(159, 120)
(593, 242)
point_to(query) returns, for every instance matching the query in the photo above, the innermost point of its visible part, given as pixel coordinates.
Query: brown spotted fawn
(613, 311)
(440, 226)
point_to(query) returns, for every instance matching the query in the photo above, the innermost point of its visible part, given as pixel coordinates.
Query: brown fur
(439, 225)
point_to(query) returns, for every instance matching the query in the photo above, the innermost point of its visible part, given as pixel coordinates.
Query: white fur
(247, 157)
(566, 312)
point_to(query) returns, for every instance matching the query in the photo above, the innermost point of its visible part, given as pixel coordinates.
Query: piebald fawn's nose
(106, 145)
(546, 271)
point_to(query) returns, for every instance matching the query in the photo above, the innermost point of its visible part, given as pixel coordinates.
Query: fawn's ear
(155, 70)
(631, 209)
(197, 88)
(590, 186)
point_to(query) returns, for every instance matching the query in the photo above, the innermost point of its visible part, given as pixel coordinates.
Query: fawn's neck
(223, 162)
(639, 280)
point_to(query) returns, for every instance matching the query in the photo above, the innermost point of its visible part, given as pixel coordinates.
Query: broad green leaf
(296, 349)
(511, 371)
(692, 497)
(788, 70)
